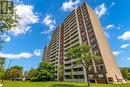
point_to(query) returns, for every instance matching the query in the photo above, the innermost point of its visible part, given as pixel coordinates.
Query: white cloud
(128, 58)
(116, 53)
(37, 52)
(5, 37)
(118, 28)
(125, 36)
(50, 22)
(27, 18)
(113, 3)
(125, 45)
(16, 56)
(109, 26)
(16, 1)
(70, 5)
(101, 10)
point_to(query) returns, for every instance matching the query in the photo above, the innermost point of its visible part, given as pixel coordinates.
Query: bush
(44, 72)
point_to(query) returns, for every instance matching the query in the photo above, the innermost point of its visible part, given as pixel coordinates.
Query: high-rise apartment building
(82, 27)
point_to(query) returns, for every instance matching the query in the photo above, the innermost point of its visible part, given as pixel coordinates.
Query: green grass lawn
(58, 84)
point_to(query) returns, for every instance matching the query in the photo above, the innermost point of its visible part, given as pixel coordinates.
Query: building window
(68, 77)
(68, 70)
(94, 45)
(101, 67)
(100, 76)
(91, 76)
(78, 69)
(68, 64)
(78, 76)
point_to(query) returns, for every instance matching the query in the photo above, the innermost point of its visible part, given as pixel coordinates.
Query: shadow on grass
(66, 85)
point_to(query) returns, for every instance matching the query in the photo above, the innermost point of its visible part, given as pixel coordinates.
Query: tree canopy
(84, 56)
(31, 74)
(45, 71)
(8, 16)
(2, 61)
(14, 72)
(125, 73)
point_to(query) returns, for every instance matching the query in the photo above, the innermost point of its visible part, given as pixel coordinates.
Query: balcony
(68, 67)
(74, 80)
(78, 72)
(70, 61)
(78, 66)
(67, 73)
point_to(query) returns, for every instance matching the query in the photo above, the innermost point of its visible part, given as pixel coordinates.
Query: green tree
(2, 71)
(45, 72)
(31, 74)
(2, 61)
(125, 73)
(60, 72)
(129, 76)
(14, 72)
(84, 56)
(9, 19)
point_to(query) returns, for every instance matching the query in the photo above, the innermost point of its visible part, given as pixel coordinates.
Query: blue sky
(39, 18)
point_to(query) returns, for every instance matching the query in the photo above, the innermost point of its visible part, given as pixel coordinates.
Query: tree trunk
(88, 81)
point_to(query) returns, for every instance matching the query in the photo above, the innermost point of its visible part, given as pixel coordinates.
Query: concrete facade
(82, 27)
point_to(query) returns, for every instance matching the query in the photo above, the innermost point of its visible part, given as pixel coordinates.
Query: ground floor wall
(94, 78)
